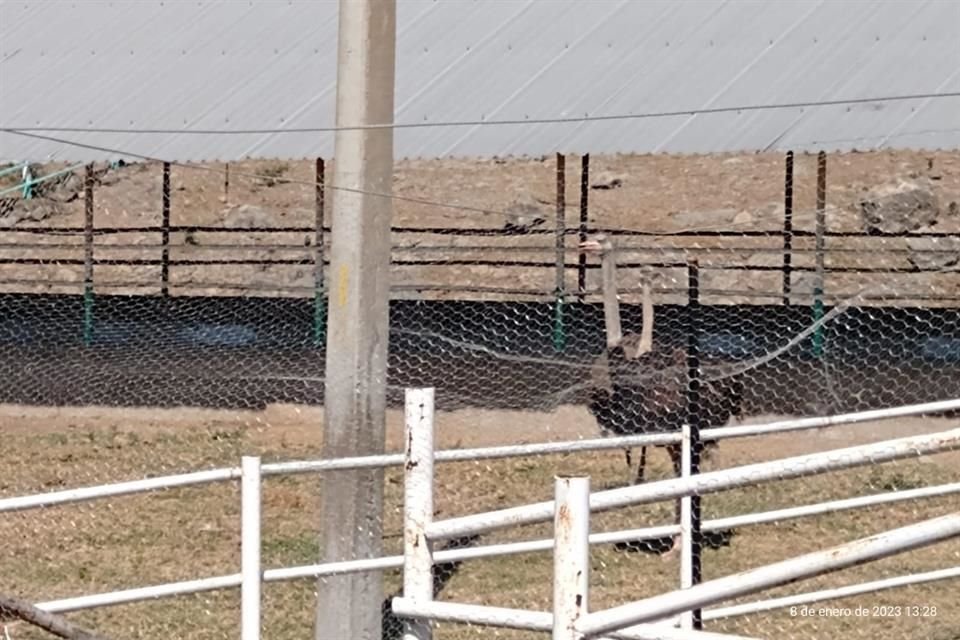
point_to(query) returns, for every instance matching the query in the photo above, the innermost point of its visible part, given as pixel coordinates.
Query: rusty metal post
(571, 555)
(787, 227)
(559, 333)
(165, 232)
(820, 249)
(88, 256)
(319, 293)
(584, 205)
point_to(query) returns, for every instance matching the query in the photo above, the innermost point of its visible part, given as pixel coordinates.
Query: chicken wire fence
(165, 319)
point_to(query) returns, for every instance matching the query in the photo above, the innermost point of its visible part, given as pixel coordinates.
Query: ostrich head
(597, 244)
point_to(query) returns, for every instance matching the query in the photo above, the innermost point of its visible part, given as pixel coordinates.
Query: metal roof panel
(256, 65)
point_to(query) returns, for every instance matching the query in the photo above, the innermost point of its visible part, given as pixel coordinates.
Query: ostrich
(636, 388)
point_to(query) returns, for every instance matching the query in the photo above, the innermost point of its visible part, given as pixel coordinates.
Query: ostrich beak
(590, 246)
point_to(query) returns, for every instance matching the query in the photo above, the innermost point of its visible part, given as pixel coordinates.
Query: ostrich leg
(641, 467)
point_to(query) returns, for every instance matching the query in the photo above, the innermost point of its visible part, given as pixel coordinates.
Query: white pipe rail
(451, 555)
(140, 594)
(803, 424)
(83, 494)
(534, 620)
(686, 527)
(705, 483)
(250, 574)
(251, 471)
(478, 453)
(832, 594)
(571, 556)
(418, 507)
(806, 566)
(571, 534)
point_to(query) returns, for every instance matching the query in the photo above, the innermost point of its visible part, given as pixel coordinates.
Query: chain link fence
(163, 319)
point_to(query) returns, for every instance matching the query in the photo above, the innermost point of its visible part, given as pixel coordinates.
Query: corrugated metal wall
(179, 66)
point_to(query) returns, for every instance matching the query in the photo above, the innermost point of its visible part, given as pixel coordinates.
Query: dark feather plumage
(648, 393)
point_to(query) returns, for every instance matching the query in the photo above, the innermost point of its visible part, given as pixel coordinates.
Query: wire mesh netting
(158, 321)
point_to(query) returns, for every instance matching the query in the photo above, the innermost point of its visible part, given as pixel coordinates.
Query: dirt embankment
(661, 194)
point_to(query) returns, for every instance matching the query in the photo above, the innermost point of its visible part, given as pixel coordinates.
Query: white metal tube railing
(686, 527)
(381, 563)
(418, 507)
(704, 483)
(803, 424)
(533, 620)
(832, 594)
(82, 494)
(571, 555)
(812, 564)
(141, 594)
(486, 551)
(250, 573)
(469, 455)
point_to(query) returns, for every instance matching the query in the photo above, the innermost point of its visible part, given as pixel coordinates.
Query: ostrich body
(637, 389)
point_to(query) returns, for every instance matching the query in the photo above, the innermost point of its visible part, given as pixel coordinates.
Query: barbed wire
(456, 248)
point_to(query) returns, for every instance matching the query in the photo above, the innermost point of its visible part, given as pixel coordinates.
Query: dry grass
(189, 533)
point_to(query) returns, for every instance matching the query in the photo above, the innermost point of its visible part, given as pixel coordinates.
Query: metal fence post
(584, 198)
(694, 420)
(27, 176)
(559, 335)
(319, 295)
(686, 530)
(820, 246)
(571, 555)
(165, 232)
(88, 256)
(250, 572)
(418, 507)
(787, 227)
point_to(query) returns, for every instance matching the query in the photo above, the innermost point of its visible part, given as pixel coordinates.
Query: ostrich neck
(646, 330)
(611, 305)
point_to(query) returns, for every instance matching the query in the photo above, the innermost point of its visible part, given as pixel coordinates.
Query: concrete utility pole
(357, 330)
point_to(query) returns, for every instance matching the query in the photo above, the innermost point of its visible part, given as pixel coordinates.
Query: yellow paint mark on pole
(342, 279)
